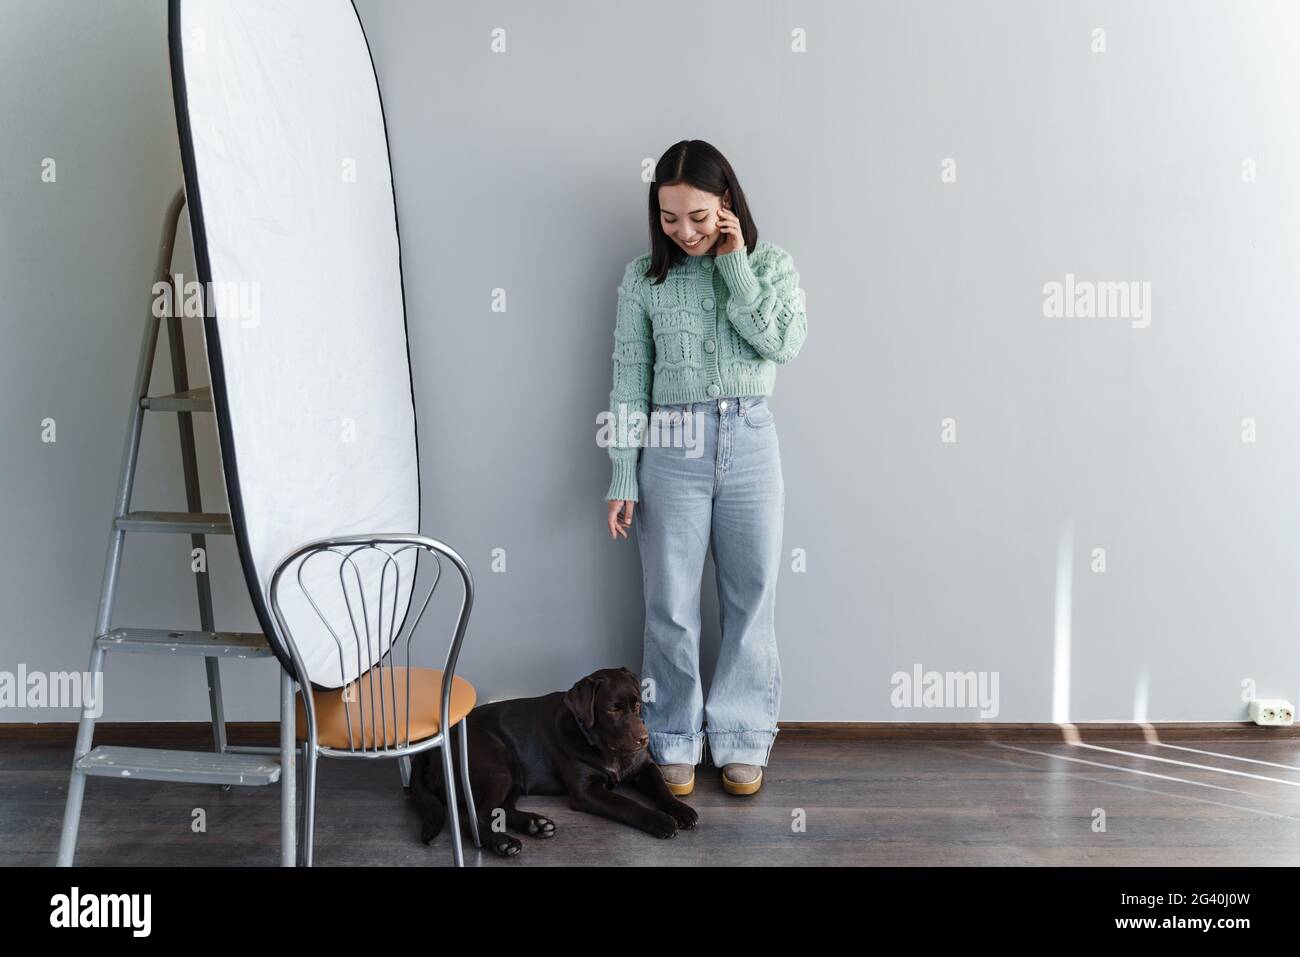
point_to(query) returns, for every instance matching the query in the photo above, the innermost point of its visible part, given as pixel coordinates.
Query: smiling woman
(703, 321)
(708, 314)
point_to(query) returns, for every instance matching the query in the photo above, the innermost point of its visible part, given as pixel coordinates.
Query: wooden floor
(963, 802)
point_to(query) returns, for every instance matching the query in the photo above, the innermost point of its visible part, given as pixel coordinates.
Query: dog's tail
(426, 790)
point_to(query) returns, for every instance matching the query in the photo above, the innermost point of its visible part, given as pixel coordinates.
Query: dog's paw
(662, 826)
(685, 816)
(505, 845)
(427, 834)
(539, 826)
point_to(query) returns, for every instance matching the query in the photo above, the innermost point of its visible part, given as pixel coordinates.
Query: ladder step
(190, 523)
(210, 644)
(195, 767)
(193, 400)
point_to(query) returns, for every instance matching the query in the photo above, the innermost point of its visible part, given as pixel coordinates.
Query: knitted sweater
(715, 327)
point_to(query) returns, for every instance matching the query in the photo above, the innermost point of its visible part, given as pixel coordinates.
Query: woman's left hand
(732, 236)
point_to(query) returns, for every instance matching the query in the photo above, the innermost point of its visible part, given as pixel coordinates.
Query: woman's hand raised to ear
(620, 517)
(733, 236)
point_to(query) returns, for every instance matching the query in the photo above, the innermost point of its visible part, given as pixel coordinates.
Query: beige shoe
(680, 778)
(742, 778)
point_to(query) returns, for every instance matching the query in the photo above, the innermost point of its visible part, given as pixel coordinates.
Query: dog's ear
(633, 677)
(581, 699)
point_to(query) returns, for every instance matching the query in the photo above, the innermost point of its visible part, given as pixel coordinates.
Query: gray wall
(522, 170)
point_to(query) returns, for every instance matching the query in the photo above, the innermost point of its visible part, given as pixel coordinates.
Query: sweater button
(708, 302)
(709, 346)
(713, 390)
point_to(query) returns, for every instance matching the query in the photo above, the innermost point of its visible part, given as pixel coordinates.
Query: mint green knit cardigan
(715, 327)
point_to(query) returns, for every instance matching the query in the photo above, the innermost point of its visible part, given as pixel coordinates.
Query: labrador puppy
(581, 743)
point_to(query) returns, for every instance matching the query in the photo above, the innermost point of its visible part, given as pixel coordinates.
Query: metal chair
(389, 710)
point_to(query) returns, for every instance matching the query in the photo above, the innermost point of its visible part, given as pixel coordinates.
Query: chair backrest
(351, 584)
(294, 222)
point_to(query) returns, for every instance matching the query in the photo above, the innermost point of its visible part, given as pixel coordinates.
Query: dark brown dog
(581, 742)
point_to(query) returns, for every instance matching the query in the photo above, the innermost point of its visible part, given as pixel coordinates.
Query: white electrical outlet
(1272, 712)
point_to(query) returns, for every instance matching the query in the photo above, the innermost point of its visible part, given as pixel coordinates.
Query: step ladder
(225, 765)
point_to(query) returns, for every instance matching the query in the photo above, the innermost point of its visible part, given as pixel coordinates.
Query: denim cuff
(741, 747)
(669, 748)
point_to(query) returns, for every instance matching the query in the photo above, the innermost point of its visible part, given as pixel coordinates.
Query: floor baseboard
(267, 733)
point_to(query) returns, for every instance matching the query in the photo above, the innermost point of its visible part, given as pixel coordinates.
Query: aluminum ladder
(226, 765)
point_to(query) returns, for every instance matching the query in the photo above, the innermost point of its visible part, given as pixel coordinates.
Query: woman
(703, 321)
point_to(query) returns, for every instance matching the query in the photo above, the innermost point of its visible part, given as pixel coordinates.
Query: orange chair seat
(384, 710)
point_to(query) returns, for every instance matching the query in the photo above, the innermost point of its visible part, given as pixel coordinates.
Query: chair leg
(404, 765)
(288, 774)
(464, 781)
(449, 776)
(308, 804)
(300, 810)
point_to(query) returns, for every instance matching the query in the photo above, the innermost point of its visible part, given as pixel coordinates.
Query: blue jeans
(710, 475)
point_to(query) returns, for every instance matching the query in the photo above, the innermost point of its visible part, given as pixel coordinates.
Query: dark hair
(697, 164)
